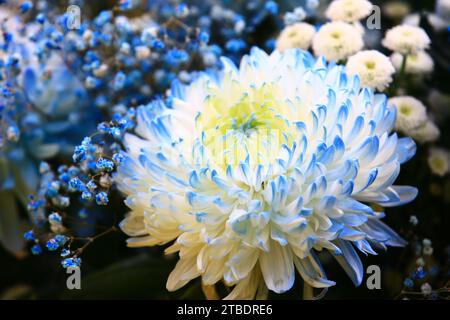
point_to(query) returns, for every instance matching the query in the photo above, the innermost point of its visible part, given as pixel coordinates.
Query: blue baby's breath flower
(65, 252)
(101, 198)
(55, 218)
(408, 283)
(52, 245)
(36, 249)
(60, 239)
(29, 235)
(71, 263)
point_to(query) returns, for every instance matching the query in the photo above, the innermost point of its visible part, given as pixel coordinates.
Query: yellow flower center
(251, 126)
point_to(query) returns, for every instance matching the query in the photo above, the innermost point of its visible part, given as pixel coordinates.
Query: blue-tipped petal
(350, 261)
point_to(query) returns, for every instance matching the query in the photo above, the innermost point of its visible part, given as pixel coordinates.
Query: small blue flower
(61, 239)
(272, 7)
(119, 80)
(182, 10)
(52, 245)
(419, 273)
(29, 235)
(235, 45)
(36, 249)
(71, 262)
(86, 195)
(44, 167)
(104, 165)
(102, 198)
(91, 185)
(25, 6)
(75, 184)
(118, 158)
(408, 283)
(65, 252)
(55, 218)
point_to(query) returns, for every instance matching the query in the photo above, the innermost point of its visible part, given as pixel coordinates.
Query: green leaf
(10, 235)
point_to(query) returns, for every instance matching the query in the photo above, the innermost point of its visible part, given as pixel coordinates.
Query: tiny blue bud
(29, 235)
(408, 283)
(52, 245)
(36, 249)
(102, 198)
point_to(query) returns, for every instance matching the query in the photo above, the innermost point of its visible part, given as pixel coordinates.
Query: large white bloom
(411, 113)
(439, 161)
(418, 63)
(406, 39)
(348, 10)
(337, 41)
(373, 68)
(254, 171)
(298, 35)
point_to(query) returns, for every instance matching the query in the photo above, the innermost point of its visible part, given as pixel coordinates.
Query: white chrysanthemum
(348, 10)
(406, 39)
(427, 132)
(251, 172)
(443, 9)
(439, 161)
(373, 68)
(337, 41)
(298, 35)
(419, 63)
(411, 113)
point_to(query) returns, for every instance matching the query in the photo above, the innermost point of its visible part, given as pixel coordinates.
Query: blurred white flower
(337, 41)
(439, 103)
(373, 68)
(396, 9)
(406, 39)
(411, 113)
(443, 9)
(298, 35)
(418, 63)
(348, 10)
(439, 161)
(426, 289)
(427, 132)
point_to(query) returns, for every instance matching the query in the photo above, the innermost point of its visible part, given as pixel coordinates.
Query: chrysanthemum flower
(348, 10)
(298, 35)
(443, 9)
(411, 113)
(337, 41)
(406, 39)
(419, 63)
(251, 172)
(373, 68)
(428, 132)
(439, 161)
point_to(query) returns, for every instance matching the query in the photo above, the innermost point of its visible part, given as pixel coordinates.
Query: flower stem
(401, 76)
(307, 292)
(210, 292)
